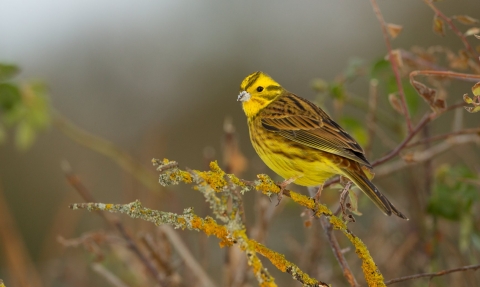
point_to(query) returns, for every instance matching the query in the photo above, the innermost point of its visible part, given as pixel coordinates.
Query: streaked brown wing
(303, 122)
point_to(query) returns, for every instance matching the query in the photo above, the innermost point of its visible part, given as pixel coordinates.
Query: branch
(418, 157)
(393, 61)
(444, 136)
(446, 74)
(215, 179)
(106, 148)
(328, 228)
(228, 237)
(454, 29)
(431, 275)
(425, 120)
(132, 245)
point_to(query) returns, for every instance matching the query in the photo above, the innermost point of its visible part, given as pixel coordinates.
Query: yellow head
(257, 91)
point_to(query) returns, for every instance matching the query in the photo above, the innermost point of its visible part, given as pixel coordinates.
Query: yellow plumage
(299, 141)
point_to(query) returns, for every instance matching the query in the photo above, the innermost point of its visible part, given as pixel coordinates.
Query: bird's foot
(345, 206)
(282, 187)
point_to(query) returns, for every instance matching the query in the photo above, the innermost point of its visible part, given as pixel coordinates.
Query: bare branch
(430, 275)
(393, 61)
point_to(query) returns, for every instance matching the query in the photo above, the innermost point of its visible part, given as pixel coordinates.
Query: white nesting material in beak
(244, 96)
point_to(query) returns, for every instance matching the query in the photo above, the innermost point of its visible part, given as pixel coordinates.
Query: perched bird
(300, 142)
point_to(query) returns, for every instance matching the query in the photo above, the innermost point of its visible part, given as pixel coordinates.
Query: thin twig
(109, 276)
(446, 74)
(188, 258)
(425, 120)
(132, 245)
(431, 275)
(337, 251)
(444, 136)
(454, 29)
(371, 118)
(422, 156)
(393, 62)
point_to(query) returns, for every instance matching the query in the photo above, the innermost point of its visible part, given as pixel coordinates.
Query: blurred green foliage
(24, 108)
(454, 193)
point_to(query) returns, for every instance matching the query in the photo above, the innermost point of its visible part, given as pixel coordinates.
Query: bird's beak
(243, 97)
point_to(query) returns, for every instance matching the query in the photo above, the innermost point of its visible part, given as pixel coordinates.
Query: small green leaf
(24, 136)
(9, 96)
(380, 68)
(454, 192)
(337, 90)
(8, 71)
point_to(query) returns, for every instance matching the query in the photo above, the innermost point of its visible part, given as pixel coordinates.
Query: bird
(300, 142)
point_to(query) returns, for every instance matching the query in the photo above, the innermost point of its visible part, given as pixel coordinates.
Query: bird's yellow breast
(288, 159)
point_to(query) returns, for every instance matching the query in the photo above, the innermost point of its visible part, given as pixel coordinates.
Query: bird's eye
(259, 88)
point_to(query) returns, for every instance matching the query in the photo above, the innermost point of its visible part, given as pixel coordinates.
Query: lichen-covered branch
(216, 179)
(188, 220)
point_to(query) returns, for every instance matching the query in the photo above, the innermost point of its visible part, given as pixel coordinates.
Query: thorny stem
(393, 61)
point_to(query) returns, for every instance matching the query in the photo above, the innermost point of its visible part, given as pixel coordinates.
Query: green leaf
(24, 136)
(8, 71)
(380, 68)
(454, 192)
(337, 90)
(411, 97)
(9, 96)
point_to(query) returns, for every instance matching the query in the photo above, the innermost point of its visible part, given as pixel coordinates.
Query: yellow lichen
(303, 200)
(266, 185)
(370, 269)
(214, 178)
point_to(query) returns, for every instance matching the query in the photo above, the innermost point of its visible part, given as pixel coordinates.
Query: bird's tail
(361, 180)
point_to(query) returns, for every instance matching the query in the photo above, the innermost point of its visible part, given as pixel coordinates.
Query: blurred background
(158, 79)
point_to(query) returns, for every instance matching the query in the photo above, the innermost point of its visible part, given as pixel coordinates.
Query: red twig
(444, 136)
(392, 60)
(440, 273)
(454, 29)
(425, 120)
(447, 74)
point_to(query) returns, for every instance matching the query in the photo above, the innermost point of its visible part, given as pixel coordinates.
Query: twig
(109, 276)
(444, 136)
(454, 29)
(337, 251)
(106, 148)
(431, 275)
(371, 118)
(132, 245)
(188, 258)
(422, 156)
(393, 61)
(446, 74)
(425, 120)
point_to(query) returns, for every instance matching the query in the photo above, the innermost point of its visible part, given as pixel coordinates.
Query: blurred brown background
(158, 79)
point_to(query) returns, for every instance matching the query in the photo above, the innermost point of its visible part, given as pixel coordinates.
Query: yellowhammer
(300, 142)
